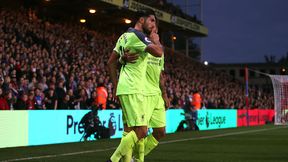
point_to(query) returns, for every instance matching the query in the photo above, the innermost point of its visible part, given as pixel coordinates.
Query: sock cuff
(133, 135)
(141, 140)
(124, 133)
(153, 139)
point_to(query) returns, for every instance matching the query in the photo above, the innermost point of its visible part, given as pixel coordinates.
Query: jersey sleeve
(117, 46)
(139, 41)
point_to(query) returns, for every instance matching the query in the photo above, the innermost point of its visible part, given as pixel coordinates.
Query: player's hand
(154, 37)
(166, 100)
(115, 98)
(130, 57)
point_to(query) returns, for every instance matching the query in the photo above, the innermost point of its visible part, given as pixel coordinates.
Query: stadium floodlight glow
(283, 70)
(127, 21)
(174, 37)
(92, 11)
(206, 63)
(82, 20)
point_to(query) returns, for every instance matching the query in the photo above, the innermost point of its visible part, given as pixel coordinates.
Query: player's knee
(162, 134)
(127, 129)
(141, 132)
(159, 133)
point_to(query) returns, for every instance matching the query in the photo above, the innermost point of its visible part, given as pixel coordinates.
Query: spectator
(3, 102)
(11, 100)
(31, 101)
(81, 99)
(39, 100)
(6, 84)
(32, 85)
(102, 94)
(111, 104)
(21, 103)
(196, 100)
(60, 92)
(72, 102)
(51, 100)
(91, 102)
(66, 104)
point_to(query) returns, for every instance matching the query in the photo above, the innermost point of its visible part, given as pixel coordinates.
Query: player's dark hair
(144, 13)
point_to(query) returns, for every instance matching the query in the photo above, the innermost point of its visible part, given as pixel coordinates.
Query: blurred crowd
(61, 66)
(49, 63)
(217, 89)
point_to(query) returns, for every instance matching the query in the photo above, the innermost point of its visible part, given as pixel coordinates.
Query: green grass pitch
(248, 144)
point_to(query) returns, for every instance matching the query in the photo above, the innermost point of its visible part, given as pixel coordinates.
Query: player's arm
(128, 57)
(55, 104)
(163, 90)
(113, 67)
(155, 48)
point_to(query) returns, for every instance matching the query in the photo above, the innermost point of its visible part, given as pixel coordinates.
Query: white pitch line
(59, 155)
(165, 142)
(219, 135)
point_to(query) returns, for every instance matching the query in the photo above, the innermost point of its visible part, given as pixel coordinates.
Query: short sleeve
(139, 41)
(117, 46)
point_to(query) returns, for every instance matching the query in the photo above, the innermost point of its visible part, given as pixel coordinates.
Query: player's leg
(126, 144)
(128, 156)
(139, 148)
(139, 145)
(158, 123)
(159, 133)
(133, 107)
(130, 139)
(156, 111)
(141, 129)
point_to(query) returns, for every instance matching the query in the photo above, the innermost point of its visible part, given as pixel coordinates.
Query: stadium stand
(59, 61)
(170, 8)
